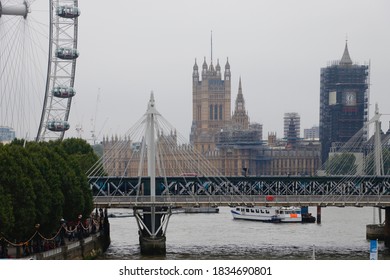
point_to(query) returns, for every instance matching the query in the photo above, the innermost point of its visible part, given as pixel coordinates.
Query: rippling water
(342, 235)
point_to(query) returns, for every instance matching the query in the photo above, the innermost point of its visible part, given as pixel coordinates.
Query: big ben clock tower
(344, 100)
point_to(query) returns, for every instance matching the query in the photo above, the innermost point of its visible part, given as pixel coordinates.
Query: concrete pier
(152, 245)
(152, 223)
(318, 214)
(375, 231)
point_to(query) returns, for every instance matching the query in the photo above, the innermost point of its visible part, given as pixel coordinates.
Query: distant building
(296, 119)
(344, 100)
(211, 106)
(289, 156)
(311, 133)
(227, 140)
(7, 134)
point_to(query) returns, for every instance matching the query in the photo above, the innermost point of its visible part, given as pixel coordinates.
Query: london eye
(38, 54)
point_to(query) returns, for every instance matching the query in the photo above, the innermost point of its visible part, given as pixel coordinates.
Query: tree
(40, 183)
(50, 198)
(6, 212)
(18, 185)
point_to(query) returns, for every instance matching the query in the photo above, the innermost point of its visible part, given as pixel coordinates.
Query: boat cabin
(68, 11)
(287, 211)
(253, 210)
(63, 92)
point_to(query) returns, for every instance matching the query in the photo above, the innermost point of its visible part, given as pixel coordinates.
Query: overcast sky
(277, 47)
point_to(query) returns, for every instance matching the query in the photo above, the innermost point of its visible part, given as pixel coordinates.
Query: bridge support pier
(318, 214)
(387, 227)
(152, 224)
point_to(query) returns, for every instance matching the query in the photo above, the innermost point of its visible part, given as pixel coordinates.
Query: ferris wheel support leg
(15, 9)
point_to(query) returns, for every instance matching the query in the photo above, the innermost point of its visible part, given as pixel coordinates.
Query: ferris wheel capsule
(68, 11)
(66, 53)
(57, 125)
(63, 92)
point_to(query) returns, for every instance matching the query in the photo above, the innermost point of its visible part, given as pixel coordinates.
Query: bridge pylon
(152, 220)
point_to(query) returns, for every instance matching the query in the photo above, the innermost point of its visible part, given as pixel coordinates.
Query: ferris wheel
(38, 53)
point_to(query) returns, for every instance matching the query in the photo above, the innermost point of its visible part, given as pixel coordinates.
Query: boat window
(257, 210)
(238, 209)
(262, 211)
(247, 210)
(267, 211)
(242, 210)
(253, 211)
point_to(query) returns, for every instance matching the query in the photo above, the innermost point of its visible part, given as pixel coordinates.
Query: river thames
(208, 236)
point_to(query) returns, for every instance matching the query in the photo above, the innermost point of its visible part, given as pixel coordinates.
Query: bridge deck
(229, 191)
(221, 200)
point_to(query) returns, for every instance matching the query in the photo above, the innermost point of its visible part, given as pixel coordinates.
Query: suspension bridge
(153, 193)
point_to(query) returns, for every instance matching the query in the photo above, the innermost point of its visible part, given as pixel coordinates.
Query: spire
(218, 67)
(195, 73)
(240, 117)
(204, 64)
(211, 68)
(211, 46)
(195, 65)
(240, 102)
(227, 65)
(346, 59)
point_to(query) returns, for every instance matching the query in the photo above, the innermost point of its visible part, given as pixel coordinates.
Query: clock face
(350, 98)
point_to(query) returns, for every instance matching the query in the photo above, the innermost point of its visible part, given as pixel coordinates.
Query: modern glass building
(6, 134)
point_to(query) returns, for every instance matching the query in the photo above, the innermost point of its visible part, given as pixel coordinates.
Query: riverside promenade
(84, 240)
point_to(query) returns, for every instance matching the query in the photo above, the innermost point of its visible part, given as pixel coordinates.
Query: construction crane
(93, 120)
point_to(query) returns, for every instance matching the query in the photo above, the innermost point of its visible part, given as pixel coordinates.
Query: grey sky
(129, 48)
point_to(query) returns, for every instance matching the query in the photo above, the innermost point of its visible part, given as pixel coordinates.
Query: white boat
(272, 214)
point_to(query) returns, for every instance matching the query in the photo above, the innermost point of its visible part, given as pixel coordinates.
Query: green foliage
(6, 211)
(40, 183)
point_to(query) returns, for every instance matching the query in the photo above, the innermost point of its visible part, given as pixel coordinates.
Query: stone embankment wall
(87, 248)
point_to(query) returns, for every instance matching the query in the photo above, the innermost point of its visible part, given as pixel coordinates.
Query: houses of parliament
(227, 139)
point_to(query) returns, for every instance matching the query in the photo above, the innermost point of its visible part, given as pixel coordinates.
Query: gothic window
(211, 112)
(220, 112)
(215, 112)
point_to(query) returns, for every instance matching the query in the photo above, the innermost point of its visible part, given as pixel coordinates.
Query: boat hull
(267, 219)
(272, 214)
